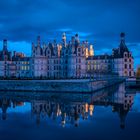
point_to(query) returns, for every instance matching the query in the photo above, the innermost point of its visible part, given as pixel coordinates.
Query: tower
(91, 51)
(123, 47)
(64, 39)
(77, 41)
(5, 45)
(39, 49)
(38, 41)
(33, 50)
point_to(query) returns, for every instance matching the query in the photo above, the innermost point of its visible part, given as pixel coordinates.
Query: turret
(64, 39)
(5, 45)
(38, 41)
(33, 49)
(123, 47)
(91, 51)
(72, 40)
(77, 41)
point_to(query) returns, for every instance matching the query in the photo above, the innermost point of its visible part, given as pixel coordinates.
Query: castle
(61, 60)
(73, 59)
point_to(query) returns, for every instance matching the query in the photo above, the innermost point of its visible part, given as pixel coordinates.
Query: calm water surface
(113, 113)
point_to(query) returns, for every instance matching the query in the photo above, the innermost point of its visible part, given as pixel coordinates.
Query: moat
(112, 113)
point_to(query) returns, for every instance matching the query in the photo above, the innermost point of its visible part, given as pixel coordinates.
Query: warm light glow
(91, 108)
(87, 53)
(59, 50)
(91, 51)
(86, 107)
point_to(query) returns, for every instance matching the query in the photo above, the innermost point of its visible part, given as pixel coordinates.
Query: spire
(72, 40)
(33, 45)
(77, 41)
(5, 45)
(38, 41)
(123, 48)
(64, 39)
(122, 35)
(91, 51)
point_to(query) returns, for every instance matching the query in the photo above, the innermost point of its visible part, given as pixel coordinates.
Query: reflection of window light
(86, 107)
(91, 108)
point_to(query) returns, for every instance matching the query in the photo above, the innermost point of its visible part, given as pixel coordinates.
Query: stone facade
(64, 60)
(121, 62)
(73, 59)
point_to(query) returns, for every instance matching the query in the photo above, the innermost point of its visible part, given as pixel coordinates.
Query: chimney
(38, 41)
(5, 45)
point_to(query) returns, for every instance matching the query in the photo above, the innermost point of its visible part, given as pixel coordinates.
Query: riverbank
(79, 85)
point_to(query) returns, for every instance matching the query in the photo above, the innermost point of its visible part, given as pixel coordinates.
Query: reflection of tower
(76, 116)
(38, 118)
(122, 114)
(119, 108)
(5, 104)
(63, 117)
(86, 111)
(122, 103)
(91, 109)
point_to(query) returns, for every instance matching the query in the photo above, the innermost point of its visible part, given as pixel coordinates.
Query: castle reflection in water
(69, 108)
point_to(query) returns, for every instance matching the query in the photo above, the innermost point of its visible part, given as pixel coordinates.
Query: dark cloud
(20, 20)
(99, 21)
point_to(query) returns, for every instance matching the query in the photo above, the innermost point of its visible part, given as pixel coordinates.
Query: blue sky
(98, 21)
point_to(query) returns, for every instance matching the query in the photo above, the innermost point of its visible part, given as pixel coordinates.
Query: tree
(138, 73)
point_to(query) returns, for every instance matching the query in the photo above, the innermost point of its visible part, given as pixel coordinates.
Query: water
(113, 113)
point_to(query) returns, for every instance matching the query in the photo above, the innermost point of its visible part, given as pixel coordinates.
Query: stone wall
(55, 85)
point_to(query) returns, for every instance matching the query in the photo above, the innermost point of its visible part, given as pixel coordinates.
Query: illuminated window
(88, 67)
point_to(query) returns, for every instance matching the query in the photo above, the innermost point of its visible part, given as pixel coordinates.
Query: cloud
(98, 21)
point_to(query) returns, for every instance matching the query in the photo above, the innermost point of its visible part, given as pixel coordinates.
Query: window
(66, 62)
(79, 49)
(125, 66)
(125, 72)
(130, 66)
(125, 54)
(88, 67)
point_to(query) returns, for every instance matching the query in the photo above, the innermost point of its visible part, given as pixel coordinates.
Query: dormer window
(125, 54)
